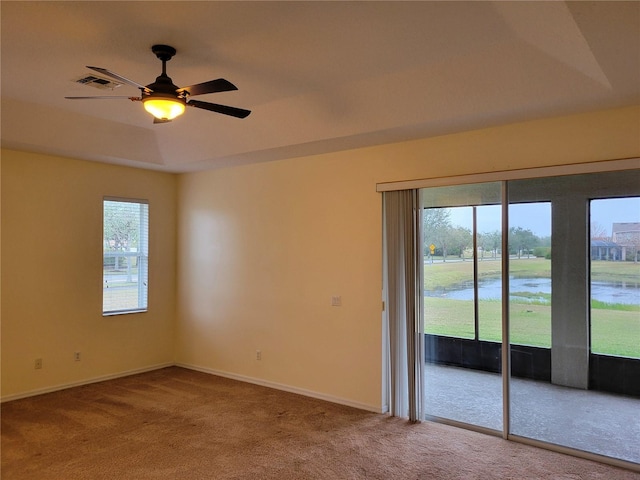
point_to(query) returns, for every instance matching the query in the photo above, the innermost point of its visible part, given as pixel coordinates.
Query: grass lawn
(615, 327)
(123, 297)
(615, 332)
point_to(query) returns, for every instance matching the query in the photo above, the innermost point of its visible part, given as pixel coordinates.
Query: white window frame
(141, 254)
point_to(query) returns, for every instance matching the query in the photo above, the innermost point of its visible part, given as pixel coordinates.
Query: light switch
(336, 301)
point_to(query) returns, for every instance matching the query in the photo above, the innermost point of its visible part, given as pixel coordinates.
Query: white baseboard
(285, 388)
(232, 376)
(64, 386)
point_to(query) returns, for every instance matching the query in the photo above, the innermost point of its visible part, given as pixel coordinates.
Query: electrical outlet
(38, 364)
(76, 356)
(258, 355)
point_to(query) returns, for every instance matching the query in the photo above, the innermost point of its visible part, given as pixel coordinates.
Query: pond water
(610, 292)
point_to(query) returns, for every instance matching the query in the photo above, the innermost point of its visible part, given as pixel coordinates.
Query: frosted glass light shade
(164, 108)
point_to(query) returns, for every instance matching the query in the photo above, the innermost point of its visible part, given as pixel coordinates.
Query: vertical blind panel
(403, 285)
(125, 256)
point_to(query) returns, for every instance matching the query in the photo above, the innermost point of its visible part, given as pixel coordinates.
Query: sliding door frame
(504, 177)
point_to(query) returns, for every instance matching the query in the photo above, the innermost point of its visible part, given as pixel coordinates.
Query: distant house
(625, 240)
(606, 250)
(627, 235)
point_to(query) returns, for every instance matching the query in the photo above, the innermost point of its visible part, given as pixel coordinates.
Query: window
(530, 274)
(463, 268)
(125, 267)
(615, 276)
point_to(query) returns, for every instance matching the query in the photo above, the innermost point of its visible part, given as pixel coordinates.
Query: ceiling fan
(164, 100)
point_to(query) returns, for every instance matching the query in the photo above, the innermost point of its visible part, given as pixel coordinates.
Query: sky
(537, 216)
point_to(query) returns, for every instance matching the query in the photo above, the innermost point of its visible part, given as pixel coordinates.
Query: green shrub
(542, 252)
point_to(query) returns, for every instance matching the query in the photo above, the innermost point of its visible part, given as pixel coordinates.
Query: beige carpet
(180, 424)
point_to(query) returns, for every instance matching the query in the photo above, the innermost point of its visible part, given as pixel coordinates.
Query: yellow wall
(262, 248)
(260, 251)
(52, 273)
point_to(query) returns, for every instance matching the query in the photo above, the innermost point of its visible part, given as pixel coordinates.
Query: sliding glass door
(569, 326)
(573, 381)
(462, 278)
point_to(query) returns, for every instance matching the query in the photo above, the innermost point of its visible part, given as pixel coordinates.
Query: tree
(522, 240)
(121, 227)
(459, 238)
(436, 224)
(598, 232)
(490, 241)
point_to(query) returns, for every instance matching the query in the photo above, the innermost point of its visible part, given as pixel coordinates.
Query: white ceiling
(318, 76)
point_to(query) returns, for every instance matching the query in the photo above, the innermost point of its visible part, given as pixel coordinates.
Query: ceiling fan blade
(105, 97)
(120, 78)
(224, 109)
(212, 86)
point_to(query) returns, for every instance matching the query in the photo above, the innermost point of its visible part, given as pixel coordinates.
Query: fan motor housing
(163, 84)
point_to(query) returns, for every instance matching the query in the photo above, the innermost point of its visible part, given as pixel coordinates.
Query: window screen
(125, 267)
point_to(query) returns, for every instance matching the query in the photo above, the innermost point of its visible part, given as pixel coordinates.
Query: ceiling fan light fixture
(164, 108)
(164, 100)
